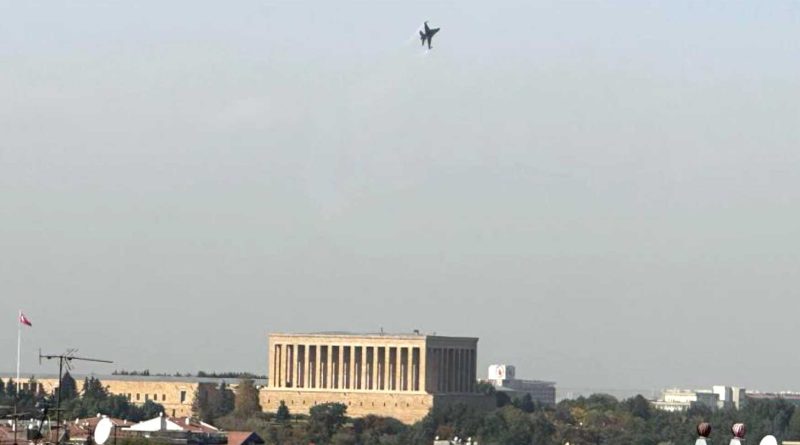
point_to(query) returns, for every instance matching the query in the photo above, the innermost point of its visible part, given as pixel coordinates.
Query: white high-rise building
(503, 378)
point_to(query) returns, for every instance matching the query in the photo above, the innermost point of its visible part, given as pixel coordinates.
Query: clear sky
(606, 193)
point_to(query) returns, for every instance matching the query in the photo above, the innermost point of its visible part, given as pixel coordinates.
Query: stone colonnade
(452, 370)
(365, 367)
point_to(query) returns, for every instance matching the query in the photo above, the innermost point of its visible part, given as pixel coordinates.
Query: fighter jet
(427, 35)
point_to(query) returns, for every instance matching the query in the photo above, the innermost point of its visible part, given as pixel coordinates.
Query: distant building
(729, 396)
(789, 396)
(675, 399)
(503, 378)
(719, 397)
(175, 394)
(396, 375)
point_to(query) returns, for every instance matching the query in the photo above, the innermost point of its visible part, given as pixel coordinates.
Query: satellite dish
(103, 430)
(769, 440)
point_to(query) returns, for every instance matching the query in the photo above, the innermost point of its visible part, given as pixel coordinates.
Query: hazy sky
(606, 193)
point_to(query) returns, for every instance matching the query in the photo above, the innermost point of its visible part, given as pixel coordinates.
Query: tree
(93, 388)
(32, 386)
(212, 402)
(501, 399)
(224, 401)
(151, 409)
(11, 388)
(639, 407)
(282, 415)
(793, 431)
(699, 410)
(485, 388)
(246, 402)
(525, 403)
(201, 407)
(96, 399)
(324, 420)
(68, 389)
(605, 402)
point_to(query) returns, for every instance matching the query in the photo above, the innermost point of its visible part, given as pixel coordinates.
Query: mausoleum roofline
(385, 335)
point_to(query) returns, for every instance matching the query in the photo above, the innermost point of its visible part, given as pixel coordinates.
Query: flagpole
(19, 343)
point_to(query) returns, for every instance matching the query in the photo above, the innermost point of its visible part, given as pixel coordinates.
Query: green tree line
(596, 420)
(92, 398)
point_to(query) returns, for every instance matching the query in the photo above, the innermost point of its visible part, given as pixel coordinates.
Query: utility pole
(64, 359)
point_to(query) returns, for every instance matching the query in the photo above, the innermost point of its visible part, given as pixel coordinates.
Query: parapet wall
(405, 407)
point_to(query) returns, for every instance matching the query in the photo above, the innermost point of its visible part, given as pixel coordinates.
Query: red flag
(24, 320)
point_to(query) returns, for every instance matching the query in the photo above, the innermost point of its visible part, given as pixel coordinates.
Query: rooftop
(415, 335)
(134, 378)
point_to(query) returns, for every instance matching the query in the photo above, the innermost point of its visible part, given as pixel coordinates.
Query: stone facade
(401, 376)
(176, 394)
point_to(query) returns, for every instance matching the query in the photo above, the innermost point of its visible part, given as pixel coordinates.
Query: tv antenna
(65, 359)
(16, 416)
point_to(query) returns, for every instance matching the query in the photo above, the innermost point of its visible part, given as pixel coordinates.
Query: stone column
(465, 371)
(451, 370)
(352, 368)
(409, 368)
(456, 370)
(279, 367)
(467, 361)
(362, 381)
(296, 365)
(434, 369)
(273, 381)
(374, 363)
(423, 368)
(289, 357)
(340, 369)
(287, 374)
(415, 356)
(401, 371)
(392, 369)
(306, 351)
(443, 369)
(460, 369)
(473, 367)
(318, 366)
(386, 354)
(439, 370)
(396, 369)
(328, 366)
